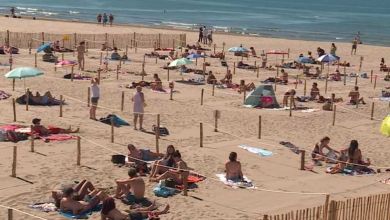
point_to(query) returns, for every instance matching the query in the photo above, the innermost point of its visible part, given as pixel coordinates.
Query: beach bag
(163, 130)
(118, 159)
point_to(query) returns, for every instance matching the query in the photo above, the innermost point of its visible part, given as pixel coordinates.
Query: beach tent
(385, 127)
(263, 96)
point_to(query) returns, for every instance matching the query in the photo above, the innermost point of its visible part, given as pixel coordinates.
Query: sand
(54, 163)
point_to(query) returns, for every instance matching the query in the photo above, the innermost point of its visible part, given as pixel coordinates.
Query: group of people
(105, 19)
(205, 35)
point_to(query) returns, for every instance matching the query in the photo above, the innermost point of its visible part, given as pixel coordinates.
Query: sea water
(330, 20)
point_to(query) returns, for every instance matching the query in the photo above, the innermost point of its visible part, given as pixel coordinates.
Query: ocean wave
(74, 12)
(177, 23)
(47, 13)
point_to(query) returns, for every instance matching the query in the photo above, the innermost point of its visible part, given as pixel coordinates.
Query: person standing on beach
(139, 104)
(333, 49)
(80, 55)
(210, 36)
(354, 46)
(95, 95)
(105, 19)
(99, 18)
(12, 10)
(200, 39)
(205, 30)
(111, 19)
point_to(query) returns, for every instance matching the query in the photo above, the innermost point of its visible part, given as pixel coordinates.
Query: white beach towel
(246, 184)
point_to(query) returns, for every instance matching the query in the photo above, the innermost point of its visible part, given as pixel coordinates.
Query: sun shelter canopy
(263, 96)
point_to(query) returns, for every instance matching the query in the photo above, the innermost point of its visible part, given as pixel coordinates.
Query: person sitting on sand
(242, 65)
(284, 78)
(178, 174)
(233, 168)
(81, 189)
(46, 99)
(69, 204)
(320, 51)
(157, 84)
(132, 188)
(355, 157)
(161, 166)
(105, 47)
(289, 95)
(228, 78)
(336, 76)
(211, 79)
(115, 55)
(110, 212)
(137, 155)
(318, 154)
(314, 92)
(253, 51)
(39, 129)
(355, 96)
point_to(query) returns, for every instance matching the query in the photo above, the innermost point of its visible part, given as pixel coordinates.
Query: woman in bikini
(318, 154)
(163, 165)
(178, 173)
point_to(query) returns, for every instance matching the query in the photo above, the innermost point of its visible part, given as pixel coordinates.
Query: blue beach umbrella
(304, 60)
(43, 47)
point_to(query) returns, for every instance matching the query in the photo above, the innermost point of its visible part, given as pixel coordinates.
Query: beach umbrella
(180, 62)
(194, 56)
(238, 50)
(22, 73)
(66, 63)
(304, 60)
(328, 58)
(43, 47)
(385, 127)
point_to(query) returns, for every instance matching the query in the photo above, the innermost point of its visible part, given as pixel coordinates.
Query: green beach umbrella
(180, 62)
(23, 72)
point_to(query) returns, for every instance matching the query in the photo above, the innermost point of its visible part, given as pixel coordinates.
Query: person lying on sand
(42, 131)
(115, 55)
(132, 188)
(355, 96)
(336, 76)
(233, 168)
(246, 87)
(163, 165)
(314, 92)
(289, 95)
(68, 203)
(179, 173)
(140, 83)
(110, 212)
(135, 155)
(318, 153)
(81, 190)
(46, 99)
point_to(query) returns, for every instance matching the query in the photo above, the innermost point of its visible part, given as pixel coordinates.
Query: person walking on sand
(200, 39)
(139, 104)
(80, 55)
(94, 98)
(354, 46)
(99, 18)
(105, 19)
(111, 19)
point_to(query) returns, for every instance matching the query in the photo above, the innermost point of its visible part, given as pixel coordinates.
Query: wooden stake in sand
(32, 139)
(259, 136)
(101, 58)
(356, 80)
(376, 76)
(29, 47)
(196, 61)
(303, 153)
(345, 75)
(61, 105)
(127, 50)
(201, 97)
(112, 129)
(35, 60)
(72, 74)
(27, 98)
(157, 132)
(78, 151)
(213, 91)
(297, 81)
(62, 56)
(13, 173)
(135, 48)
(117, 72)
(13, 84)
(216, 117)
(257, 71)
(185, 184)
(171, 94)
(88, 96)
(326, 207)
(204, 70)
(10, 214)
(334, 115)
(14, 108)
(168, 75)
(372, 110)
(234, 68)
(304, 88)
(99, 72)
(326, 83)
(156, 59)
(223, 47)
(372, 72)
(201, 134)
(215, 45)
(291, 101)
(143, 71)
(361, 63)
(244, 95)
(122, 100)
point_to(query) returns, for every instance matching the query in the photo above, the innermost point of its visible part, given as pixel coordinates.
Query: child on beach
(138, 110)
(94, 98)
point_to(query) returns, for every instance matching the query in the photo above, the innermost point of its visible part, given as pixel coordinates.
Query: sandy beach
(54, 163)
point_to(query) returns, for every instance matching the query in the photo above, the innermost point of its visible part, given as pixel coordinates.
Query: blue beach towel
(83, 215)
(259, 151)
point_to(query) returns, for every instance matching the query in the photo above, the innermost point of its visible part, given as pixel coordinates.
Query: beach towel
(57, 137)
(258, 151)
(77, 77)
(118, 122)
(163, 91)
(162, 191)
(190, 82)
(44, 206)
(4, 95)
(83, 215)
(291, 146)
(246, 184)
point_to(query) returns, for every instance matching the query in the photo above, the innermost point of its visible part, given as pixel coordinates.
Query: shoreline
(184, 30)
